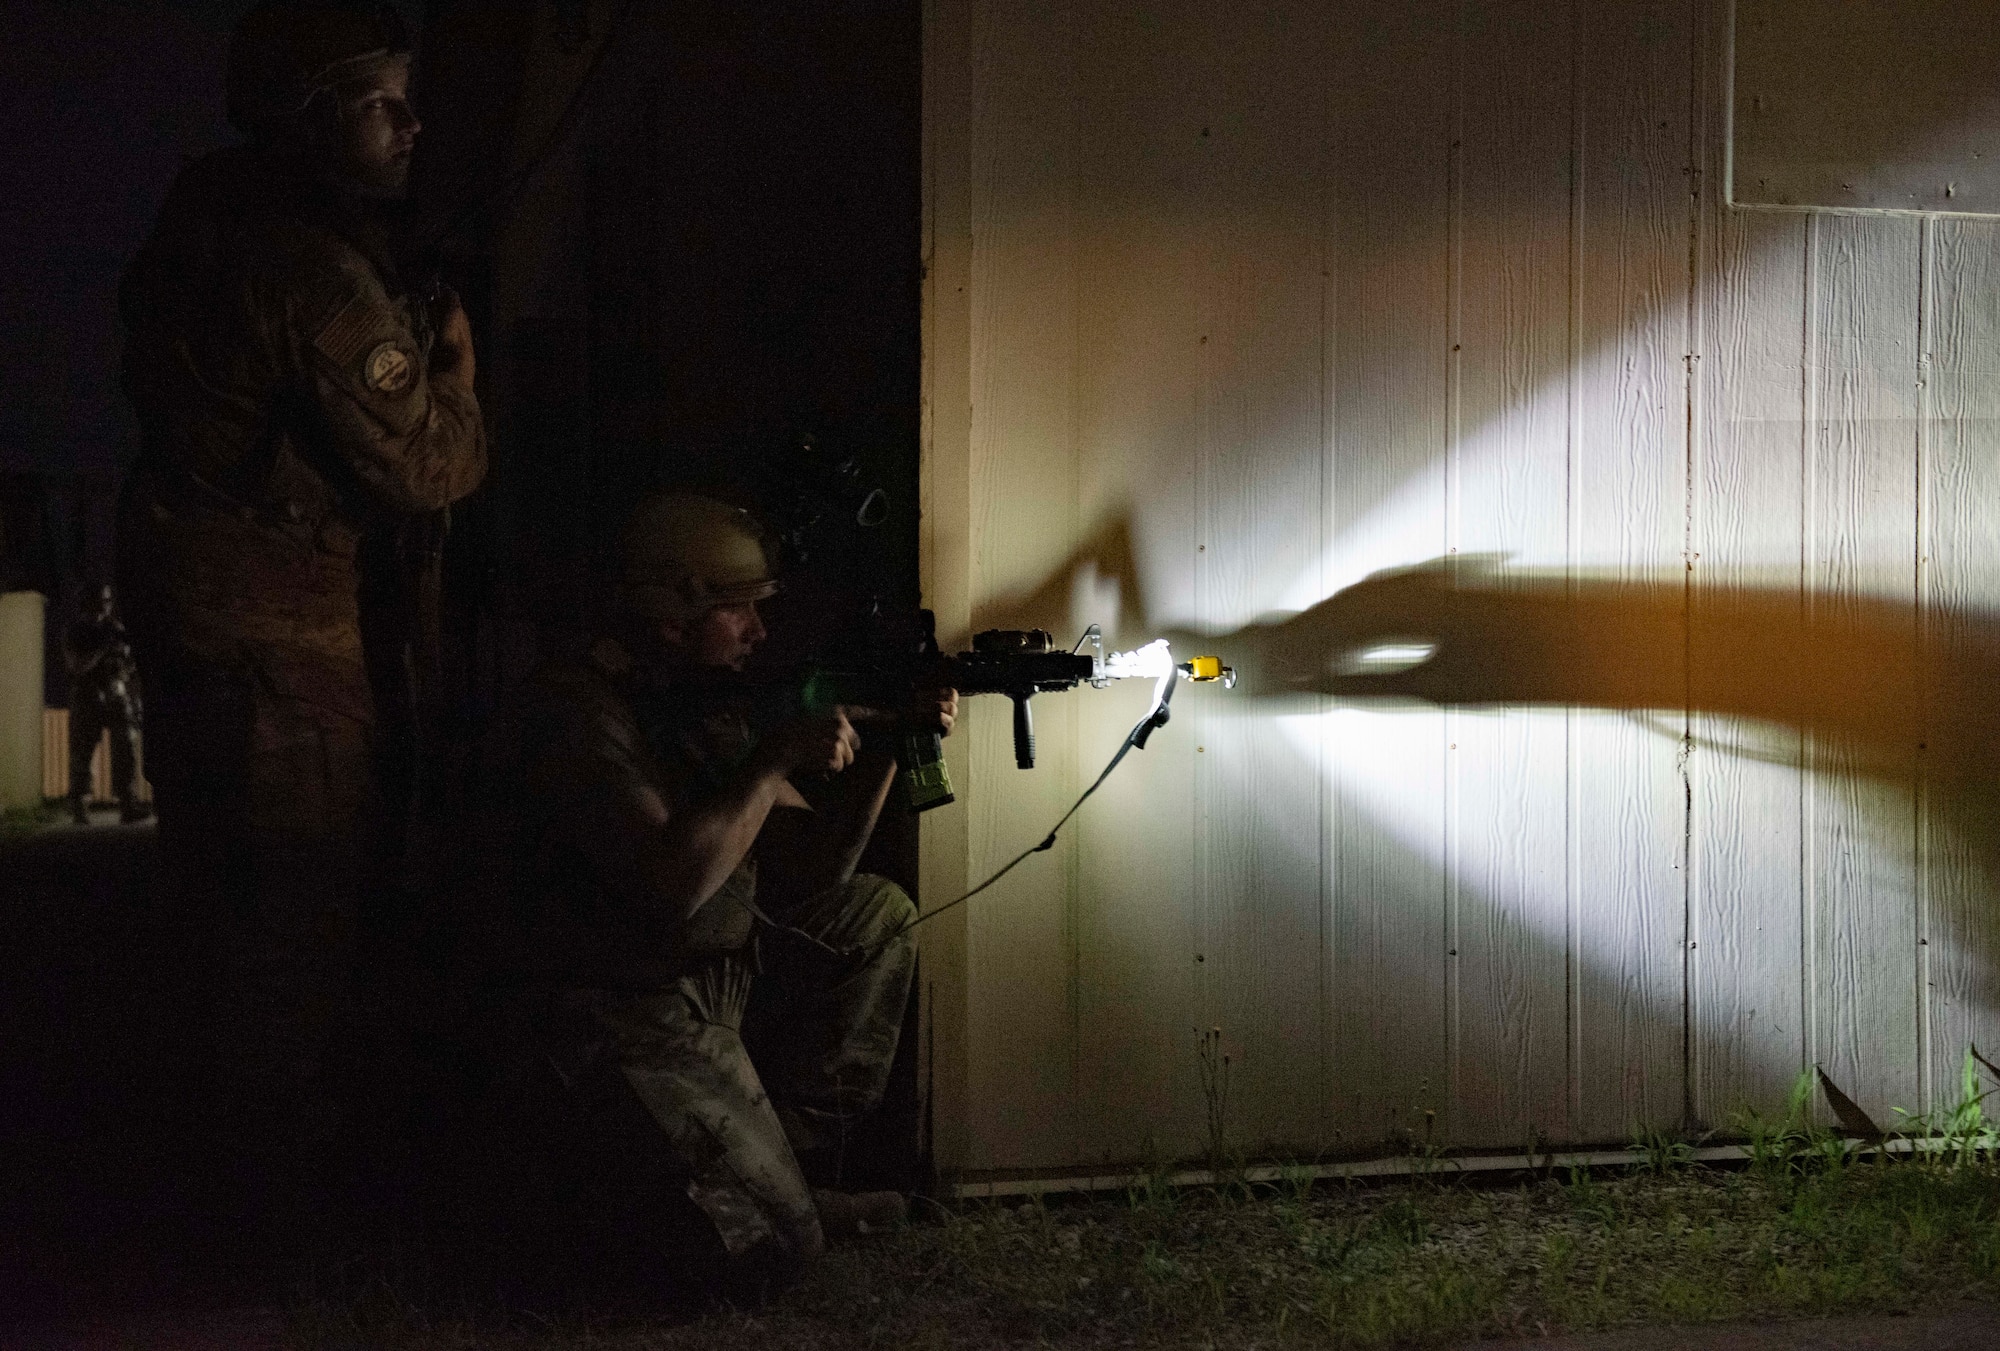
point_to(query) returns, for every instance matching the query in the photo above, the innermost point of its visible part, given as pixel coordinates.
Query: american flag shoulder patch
(351, 331)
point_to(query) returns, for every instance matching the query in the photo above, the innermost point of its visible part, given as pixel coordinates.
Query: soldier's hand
(806, 746)
(452, 356)
(934, 711)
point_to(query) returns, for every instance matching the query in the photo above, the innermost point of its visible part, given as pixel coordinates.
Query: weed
(1587, 1198)
(1541, 1155)
(1787, 1149)
(1958, 1135)
(1428, 1154)
(1296, 1182)
(20, 822)
(1331, 1246)
(1401, 1221)
(1661, 1152)
(1153, 1190)
(1223, 1165)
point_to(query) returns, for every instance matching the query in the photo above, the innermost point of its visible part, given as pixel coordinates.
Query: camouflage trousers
(755, 1058)
(266, 809)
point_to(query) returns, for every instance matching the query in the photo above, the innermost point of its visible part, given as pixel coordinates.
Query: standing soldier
(295, 410)
(103, 697)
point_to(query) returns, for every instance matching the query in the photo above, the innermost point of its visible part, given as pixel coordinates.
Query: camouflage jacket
(605, 761)
(285, 412)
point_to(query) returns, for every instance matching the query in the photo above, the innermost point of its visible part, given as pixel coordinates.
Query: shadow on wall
(1465, 631)
(1878, 688)
(1864, 689)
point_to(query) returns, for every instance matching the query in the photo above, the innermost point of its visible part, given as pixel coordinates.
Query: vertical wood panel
(1746, 1013)
(944, 541)
(1630, 377)
(1387, 361)
(1862, 519)
(1451, 239)
(1140, 279)
(55, 752)
(1023, 453)
(1962, 584)
(1261, 519)
(1511, 461)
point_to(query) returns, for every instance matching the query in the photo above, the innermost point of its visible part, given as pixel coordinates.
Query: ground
(1895, 1252)
(1869, 1255)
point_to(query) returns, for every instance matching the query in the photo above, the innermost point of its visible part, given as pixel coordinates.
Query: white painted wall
(1264, 297)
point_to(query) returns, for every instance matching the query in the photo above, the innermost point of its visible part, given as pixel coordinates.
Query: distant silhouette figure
(103, 697)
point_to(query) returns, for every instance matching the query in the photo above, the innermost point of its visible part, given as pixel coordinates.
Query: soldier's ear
(315, 127)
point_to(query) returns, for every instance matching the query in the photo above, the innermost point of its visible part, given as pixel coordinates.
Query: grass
(1807, 1228)
(20, 822)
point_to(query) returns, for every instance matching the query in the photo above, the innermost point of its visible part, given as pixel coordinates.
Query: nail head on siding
(1201, 548)
(1452, 953)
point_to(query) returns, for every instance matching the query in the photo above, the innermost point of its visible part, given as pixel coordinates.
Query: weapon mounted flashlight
(1021, 663)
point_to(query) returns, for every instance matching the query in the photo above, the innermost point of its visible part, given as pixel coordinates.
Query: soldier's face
(378, 130)
(725, 635)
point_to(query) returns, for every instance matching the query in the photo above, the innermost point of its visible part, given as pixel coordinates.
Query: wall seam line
(1572, 535)
(1808, 545)
(1695, 335)
(1920, 805)
(1454, 395)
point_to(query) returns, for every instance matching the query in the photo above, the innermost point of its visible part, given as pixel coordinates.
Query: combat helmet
(284, 52)
(682, 554)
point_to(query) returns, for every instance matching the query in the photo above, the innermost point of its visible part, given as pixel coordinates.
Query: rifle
(1019, 663)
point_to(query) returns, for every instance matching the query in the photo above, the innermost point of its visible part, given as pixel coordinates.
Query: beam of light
(1387, 658)
(1510, 485)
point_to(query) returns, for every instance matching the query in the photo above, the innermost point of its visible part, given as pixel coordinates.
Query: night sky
(103, 99)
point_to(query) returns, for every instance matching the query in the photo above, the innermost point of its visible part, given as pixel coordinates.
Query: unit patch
(389, 369)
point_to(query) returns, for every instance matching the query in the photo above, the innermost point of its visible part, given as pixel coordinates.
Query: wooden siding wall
(55, 762)
(1266, 296)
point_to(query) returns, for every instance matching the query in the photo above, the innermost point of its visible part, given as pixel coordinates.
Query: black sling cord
(1136, 738)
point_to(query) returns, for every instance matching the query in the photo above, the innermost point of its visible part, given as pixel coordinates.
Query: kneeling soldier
(690, 912)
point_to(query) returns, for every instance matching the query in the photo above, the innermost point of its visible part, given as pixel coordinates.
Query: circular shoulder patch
(389, 369)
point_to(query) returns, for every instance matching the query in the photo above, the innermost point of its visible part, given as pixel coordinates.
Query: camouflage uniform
(287, 418)
(633, 1001)
(103, 697)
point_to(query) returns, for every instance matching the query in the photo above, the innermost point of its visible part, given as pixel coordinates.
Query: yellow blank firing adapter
(1202, 670)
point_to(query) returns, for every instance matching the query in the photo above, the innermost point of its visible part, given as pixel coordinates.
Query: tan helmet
(682, 554)
(284, 52)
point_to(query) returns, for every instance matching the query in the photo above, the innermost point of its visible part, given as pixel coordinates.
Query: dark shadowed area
(103, 100)
(692, 240)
